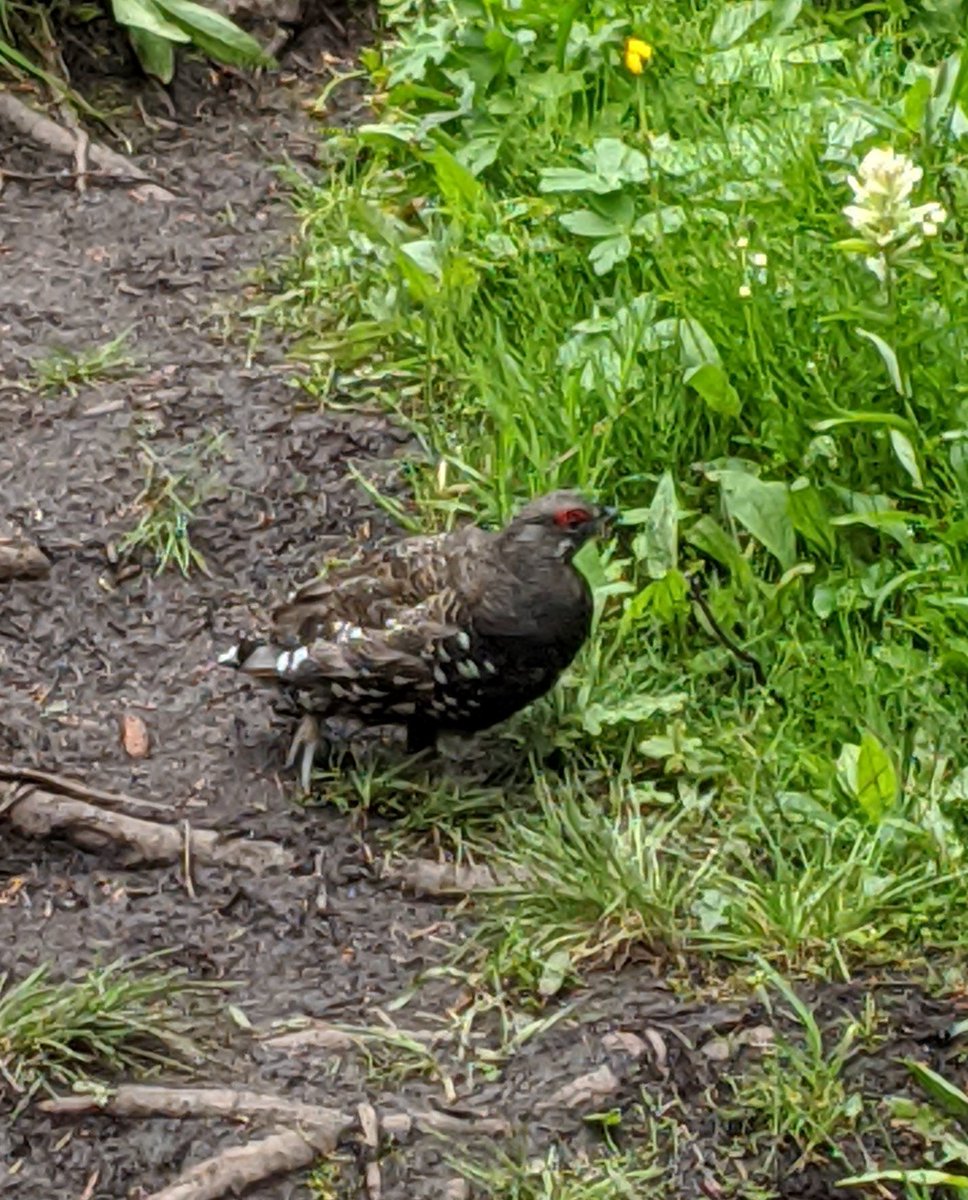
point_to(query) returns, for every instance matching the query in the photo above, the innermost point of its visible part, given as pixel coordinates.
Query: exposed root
(318, 1131)
(148, 1100)
(426, 878)
(45, 132)
(232, 1171)
(37, 813)
(20, 558)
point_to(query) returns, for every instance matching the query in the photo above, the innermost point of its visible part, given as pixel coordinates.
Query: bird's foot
(305, 743)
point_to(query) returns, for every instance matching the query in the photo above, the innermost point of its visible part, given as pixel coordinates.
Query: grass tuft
(122, 1017)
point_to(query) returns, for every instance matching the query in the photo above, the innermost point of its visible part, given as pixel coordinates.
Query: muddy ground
(91, 643)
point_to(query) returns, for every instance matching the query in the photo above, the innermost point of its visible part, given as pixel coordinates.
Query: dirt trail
(83, 647)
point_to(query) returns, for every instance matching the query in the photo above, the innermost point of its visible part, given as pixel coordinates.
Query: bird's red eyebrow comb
(572, 516)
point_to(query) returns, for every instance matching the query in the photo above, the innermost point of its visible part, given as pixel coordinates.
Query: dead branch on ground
(38, 813)
(62, 785)
(45, 132)
(319, 1130)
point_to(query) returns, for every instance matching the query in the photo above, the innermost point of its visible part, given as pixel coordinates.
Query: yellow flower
(637, 55)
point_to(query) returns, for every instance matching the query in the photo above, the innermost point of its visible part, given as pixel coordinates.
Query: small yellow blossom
(637, 55)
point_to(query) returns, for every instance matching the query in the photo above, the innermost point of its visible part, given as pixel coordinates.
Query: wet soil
(92, 643)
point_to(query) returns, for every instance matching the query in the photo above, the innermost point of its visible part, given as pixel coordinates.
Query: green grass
(123, 1017)
(69, 371)
(168, 503)
(557, 272)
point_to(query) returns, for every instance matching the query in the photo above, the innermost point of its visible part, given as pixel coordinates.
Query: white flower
(759, 259)
(742, 243)
(882, 212)
(745, 291)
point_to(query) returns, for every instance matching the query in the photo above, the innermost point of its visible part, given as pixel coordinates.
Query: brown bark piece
(20, 558)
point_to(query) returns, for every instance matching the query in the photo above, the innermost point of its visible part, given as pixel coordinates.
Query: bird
(451, 632)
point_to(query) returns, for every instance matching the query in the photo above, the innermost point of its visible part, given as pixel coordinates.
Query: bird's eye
(571, 518)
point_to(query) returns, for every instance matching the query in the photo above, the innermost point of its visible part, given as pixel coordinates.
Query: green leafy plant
(157, 27)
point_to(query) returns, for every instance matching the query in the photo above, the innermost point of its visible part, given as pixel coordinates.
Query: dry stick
(43, 130)
(40, 814)
(74, 787)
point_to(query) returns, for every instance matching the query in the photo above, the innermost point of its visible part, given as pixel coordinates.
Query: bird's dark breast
(498, 675)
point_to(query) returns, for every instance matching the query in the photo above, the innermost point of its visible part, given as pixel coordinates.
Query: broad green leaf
(156, 54)
(426, 254)
(146, 15)
(605, 254)
(457, 184)
(763, 510)
(554, 972)
(609, 165)
(570, 179)
(810, 517)
(615, 163)
(586, 223)
(784, 14)
(666, 597)
(698, 348)
(664, 220)
(735, 19)
(711, 382)
(867, 773)
(951, 1098)
(217, 36)
(876, 779)
(906, 456)
(889, 359)
(710, 538)
(916, 100)
(658, 542)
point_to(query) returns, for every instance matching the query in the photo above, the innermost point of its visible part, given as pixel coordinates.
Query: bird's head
(558, 524)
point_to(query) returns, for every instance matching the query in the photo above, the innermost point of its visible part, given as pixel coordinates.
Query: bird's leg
(305, 743)
(420, 736)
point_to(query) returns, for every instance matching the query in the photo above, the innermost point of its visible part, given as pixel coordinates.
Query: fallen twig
(43, 130)
(37, 813)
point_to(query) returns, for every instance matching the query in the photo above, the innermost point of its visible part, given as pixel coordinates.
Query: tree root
(150, 1100)
(41, 812)
(45, 132)
(426, 878)
(318, 1130)
(232, 1171)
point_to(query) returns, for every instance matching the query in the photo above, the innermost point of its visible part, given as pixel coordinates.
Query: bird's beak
(606, 517)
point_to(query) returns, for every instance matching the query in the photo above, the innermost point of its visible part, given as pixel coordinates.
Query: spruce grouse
(450, 632)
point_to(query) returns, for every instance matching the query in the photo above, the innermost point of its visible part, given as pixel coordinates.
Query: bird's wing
(372, 636)
(371, 669)
(383, 587)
